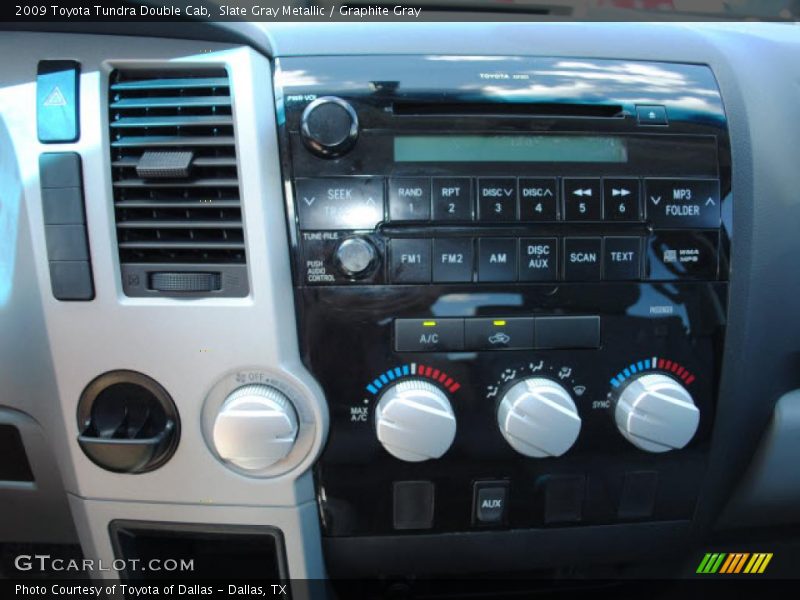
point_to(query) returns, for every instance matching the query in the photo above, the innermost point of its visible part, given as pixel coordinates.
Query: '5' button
(583, 200)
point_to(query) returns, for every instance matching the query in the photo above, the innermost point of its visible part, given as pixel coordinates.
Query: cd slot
(508, 109)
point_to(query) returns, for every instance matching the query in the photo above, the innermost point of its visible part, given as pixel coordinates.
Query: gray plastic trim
(187, 345)
(769, 493)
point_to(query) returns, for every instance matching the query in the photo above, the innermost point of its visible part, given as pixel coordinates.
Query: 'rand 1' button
(410, 199)
(428, 335)
(582, 258)
(683, 203)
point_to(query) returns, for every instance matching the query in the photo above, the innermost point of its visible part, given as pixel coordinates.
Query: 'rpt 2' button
(428, 335)
(683, 203)
(452, 198)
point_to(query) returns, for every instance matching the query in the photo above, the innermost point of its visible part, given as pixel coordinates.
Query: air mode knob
(255, 428)
(538, 418)
(329, 126)
(414, 421)
(656, 413)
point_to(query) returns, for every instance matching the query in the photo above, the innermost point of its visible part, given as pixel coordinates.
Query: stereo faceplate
(544, 242)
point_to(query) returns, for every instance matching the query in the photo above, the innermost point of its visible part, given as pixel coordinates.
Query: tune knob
(255, 428)
(656, 413)
(538, 418)
(414, 421)
(329, 126)
(355, 257)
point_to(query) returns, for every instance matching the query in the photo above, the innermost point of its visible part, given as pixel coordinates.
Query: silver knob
(355, 257)
(656, 413)
(538, 418)
(255, 427)
(414, 421)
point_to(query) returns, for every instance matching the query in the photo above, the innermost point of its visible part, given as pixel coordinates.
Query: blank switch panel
(65, 226)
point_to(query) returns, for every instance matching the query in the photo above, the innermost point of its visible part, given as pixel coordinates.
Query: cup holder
(128, 423)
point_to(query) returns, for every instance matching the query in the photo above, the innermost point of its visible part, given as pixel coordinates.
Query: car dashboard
(406, 301)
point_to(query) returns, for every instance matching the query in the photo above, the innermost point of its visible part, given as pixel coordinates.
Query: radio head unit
(511, 282)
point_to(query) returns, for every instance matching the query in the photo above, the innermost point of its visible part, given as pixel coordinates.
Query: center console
(511, 283)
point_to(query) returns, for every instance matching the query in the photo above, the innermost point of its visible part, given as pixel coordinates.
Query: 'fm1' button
(683, 203)
(428, 335)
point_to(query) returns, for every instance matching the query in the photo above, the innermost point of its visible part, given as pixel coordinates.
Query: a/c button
(428, 335)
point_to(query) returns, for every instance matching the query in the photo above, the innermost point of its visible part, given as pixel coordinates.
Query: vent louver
(175, 180)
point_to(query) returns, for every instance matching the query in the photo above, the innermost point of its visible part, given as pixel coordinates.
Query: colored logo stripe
(734, 563)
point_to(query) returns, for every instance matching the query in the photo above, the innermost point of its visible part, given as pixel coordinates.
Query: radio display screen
(510, 148)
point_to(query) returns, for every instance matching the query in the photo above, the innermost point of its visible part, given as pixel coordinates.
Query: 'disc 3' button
(428, 335)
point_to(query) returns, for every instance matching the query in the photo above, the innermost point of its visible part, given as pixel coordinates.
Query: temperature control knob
(329, 126)
(656, 413)
(255, 427)
(414, 421)
(538, 418)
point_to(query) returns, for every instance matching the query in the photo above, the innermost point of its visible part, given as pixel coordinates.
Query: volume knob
(656, 413)
(414, 421)
(256, 427)
(538, 418)
(329, 126)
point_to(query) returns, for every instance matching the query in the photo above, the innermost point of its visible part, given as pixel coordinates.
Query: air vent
(176, 186)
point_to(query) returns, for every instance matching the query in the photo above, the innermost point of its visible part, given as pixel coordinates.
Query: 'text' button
(623, 258)
(497, 259)
(583, 200)
(410, 261)
(498, 334)
(683, 203)
(452, 199)
(489, 502)
(339, 202)
(410, 199)
(497, 199)
(538, 199)
(621, 199)
(428, 335)
(582, 258)
(538, 259)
